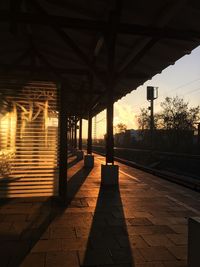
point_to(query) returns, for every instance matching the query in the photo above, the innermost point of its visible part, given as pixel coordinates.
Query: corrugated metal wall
(28, 139)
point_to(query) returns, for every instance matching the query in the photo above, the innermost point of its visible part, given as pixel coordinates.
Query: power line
(191, 91)
(173, 90)
(184, 85)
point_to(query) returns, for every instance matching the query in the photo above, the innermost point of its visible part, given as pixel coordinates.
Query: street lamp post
(152, 94)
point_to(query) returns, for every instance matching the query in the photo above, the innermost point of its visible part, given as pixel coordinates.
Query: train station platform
(142, 223)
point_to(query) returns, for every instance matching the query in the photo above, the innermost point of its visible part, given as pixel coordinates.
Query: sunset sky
(181, 79)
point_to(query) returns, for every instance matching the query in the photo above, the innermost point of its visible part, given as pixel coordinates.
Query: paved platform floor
(143, 223)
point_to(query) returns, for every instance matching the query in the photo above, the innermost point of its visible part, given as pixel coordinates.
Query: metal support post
(109, 125)
(152, 122)
(80, 135)
(63, 147)
(89, 140)
(72, 135)
(75, 133)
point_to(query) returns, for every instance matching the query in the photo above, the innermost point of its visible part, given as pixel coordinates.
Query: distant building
(163, 139)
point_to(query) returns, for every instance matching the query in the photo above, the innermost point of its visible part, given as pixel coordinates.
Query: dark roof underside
(67, 42)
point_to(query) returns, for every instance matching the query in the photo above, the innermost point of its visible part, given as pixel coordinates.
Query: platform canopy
(67, 42)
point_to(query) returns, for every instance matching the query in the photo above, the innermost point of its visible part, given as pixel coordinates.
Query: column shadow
(73, 162)
(108, 241)
(76, 181)
(19, 237)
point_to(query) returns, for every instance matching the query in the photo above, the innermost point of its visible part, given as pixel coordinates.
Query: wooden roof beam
(136, 59)
(15, 62)
(15, 6)
(143, 46)
(98, 45)
(80, 54)
(71, 71)
(52, 69)
(70, 43)
(99, 26)
(43, 69)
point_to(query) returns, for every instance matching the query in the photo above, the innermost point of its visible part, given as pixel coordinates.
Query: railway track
(188, 180)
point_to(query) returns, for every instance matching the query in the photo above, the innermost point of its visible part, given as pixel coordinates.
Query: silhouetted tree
(143, 119)
(176, 115)
(120, 128)
(176, 122)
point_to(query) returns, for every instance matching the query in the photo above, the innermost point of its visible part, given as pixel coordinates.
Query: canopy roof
(68, 41)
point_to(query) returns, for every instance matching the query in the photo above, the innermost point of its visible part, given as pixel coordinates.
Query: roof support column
(63, 149)
(75, 133)
(80, 135)
(72, 135)
(110, 172)
(89, 158)
(110, 42)
(80, 152)
(89, 140)
(109, 127)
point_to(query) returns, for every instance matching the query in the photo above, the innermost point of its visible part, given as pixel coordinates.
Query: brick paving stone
(178, 220)
(178, 239)
(38, 218)
(47, 245)
(179, 229)
(80, 210)
(10, 234)
(15, 210)
(117, 221)
(5, 226)
(73, 219)
(15, 218)
(139, 221)
(108, 242)
(184, 214)
(17, 250)
(168, 220)
(180, 252)
(94, 257)
(6, 248)
(124, 255)
(156, 254)
(160, 214)
(175, 264)
(154, 229)
(75, 244)
(117, 265)
(62, 232)
(62, 259)
(157, 240)
(135, 241)
(34, 234)
(33, 260)
(82, 231)
(142, 222)
(114, 230)
(140, 214)
(151, 264)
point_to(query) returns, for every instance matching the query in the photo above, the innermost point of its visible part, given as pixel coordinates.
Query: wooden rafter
(15, 6)
(16, 61)
(136, 59)
(70, 43)
(99, 26)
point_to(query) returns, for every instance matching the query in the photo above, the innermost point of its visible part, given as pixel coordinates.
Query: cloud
(124, 114)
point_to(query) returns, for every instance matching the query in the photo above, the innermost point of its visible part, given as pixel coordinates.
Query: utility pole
(95, 129)
(152, 94)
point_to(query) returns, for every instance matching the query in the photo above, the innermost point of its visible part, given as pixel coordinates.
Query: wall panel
(28, 139)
